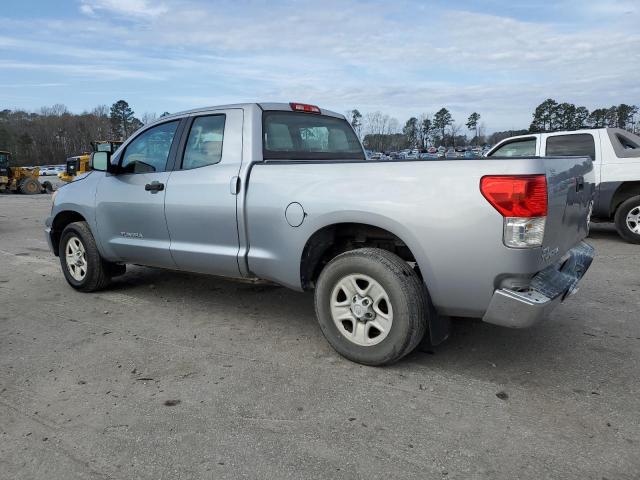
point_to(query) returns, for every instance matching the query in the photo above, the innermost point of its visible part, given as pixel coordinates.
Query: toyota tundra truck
(284, 193)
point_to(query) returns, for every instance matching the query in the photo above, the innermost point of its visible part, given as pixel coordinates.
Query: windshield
(306, 136)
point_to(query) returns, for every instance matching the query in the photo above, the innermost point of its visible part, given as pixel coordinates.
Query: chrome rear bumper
(548, 288)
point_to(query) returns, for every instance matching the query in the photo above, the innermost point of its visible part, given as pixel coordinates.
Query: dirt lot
(171, 376)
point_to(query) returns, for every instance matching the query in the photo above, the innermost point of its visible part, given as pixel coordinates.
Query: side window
(204, 145)
(518, 148)
(579, 145)
(149, 151)
(625, 144)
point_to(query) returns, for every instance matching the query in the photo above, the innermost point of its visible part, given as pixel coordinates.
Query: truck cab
(616, 161)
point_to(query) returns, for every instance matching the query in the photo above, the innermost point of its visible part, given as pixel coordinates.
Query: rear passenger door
(200, 202)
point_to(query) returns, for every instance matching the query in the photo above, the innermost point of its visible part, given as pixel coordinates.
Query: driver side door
(130, 204)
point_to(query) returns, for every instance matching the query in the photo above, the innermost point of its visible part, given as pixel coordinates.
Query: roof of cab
(262, 105)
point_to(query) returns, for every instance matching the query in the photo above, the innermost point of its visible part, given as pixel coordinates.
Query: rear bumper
(548, 288)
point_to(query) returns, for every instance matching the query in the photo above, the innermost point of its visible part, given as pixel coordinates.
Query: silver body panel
(199, 224)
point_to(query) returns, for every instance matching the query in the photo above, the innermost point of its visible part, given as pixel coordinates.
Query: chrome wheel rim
(633, 220)
(361, 310)
(76, 258)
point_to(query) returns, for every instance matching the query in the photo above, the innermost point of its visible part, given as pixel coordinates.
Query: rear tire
(627, 219)
(82, 265)
(371, 306)
(30, 186)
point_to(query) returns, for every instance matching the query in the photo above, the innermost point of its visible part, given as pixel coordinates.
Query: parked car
(432, 150)
(47, 170)
(616, 157)
(390, 250)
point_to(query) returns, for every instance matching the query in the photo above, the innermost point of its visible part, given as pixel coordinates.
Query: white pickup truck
(616, 164)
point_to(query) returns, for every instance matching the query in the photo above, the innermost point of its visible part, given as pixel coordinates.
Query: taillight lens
(303, 107)
(516, 195)
(522, 201)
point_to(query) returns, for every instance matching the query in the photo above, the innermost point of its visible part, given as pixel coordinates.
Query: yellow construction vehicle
(20, 179)
(82, 163)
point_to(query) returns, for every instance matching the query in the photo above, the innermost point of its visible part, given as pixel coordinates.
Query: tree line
(53, 134)
(379, 132)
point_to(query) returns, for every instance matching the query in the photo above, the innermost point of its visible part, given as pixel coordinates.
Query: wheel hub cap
(76, 258)
(361, 310)
(633, 219)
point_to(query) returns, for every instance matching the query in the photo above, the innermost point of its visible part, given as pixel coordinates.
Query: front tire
(371, 306)
(30, 186)
(82, 265)
(627, 219)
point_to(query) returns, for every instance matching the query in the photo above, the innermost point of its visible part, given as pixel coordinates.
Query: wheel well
(331, 241)
(61, 220)
(624, 191)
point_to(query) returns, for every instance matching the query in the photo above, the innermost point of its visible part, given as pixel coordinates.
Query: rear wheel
(30, 186)
(82, 265)
(627, 219)
(371, 306)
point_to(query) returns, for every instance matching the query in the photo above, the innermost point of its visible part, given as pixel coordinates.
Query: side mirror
(101, 161)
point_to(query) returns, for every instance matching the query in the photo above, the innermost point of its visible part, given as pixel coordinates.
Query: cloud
(402, 57)
(138, 8)
(96, 72)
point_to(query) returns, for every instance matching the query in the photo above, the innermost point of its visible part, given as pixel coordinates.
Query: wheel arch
(330, 240)
(624, 191)
(59, 223)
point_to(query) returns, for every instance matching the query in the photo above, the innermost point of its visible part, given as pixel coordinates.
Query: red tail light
(303, 107)
(516, 195)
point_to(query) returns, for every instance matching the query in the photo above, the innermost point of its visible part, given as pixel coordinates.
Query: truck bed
(435, 207)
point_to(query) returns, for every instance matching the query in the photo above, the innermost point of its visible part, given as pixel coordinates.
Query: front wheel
(371, 306)
(29, 186)
(627, 219)
(82, 265)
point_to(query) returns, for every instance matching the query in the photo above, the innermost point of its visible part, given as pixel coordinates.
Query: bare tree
(148, 117)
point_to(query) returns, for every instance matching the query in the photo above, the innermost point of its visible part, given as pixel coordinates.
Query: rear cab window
(308, 136)
(576, 145)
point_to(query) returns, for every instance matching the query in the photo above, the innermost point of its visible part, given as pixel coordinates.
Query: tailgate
(571, 189)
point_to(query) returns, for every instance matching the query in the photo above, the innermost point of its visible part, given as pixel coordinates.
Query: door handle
(154, 187)
(234, 185)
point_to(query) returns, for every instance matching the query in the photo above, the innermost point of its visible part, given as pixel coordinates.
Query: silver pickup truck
(284, 192)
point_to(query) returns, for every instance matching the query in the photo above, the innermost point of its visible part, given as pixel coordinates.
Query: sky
(500, 58)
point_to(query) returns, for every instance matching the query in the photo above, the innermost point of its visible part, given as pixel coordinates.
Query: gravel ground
(174, 376)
